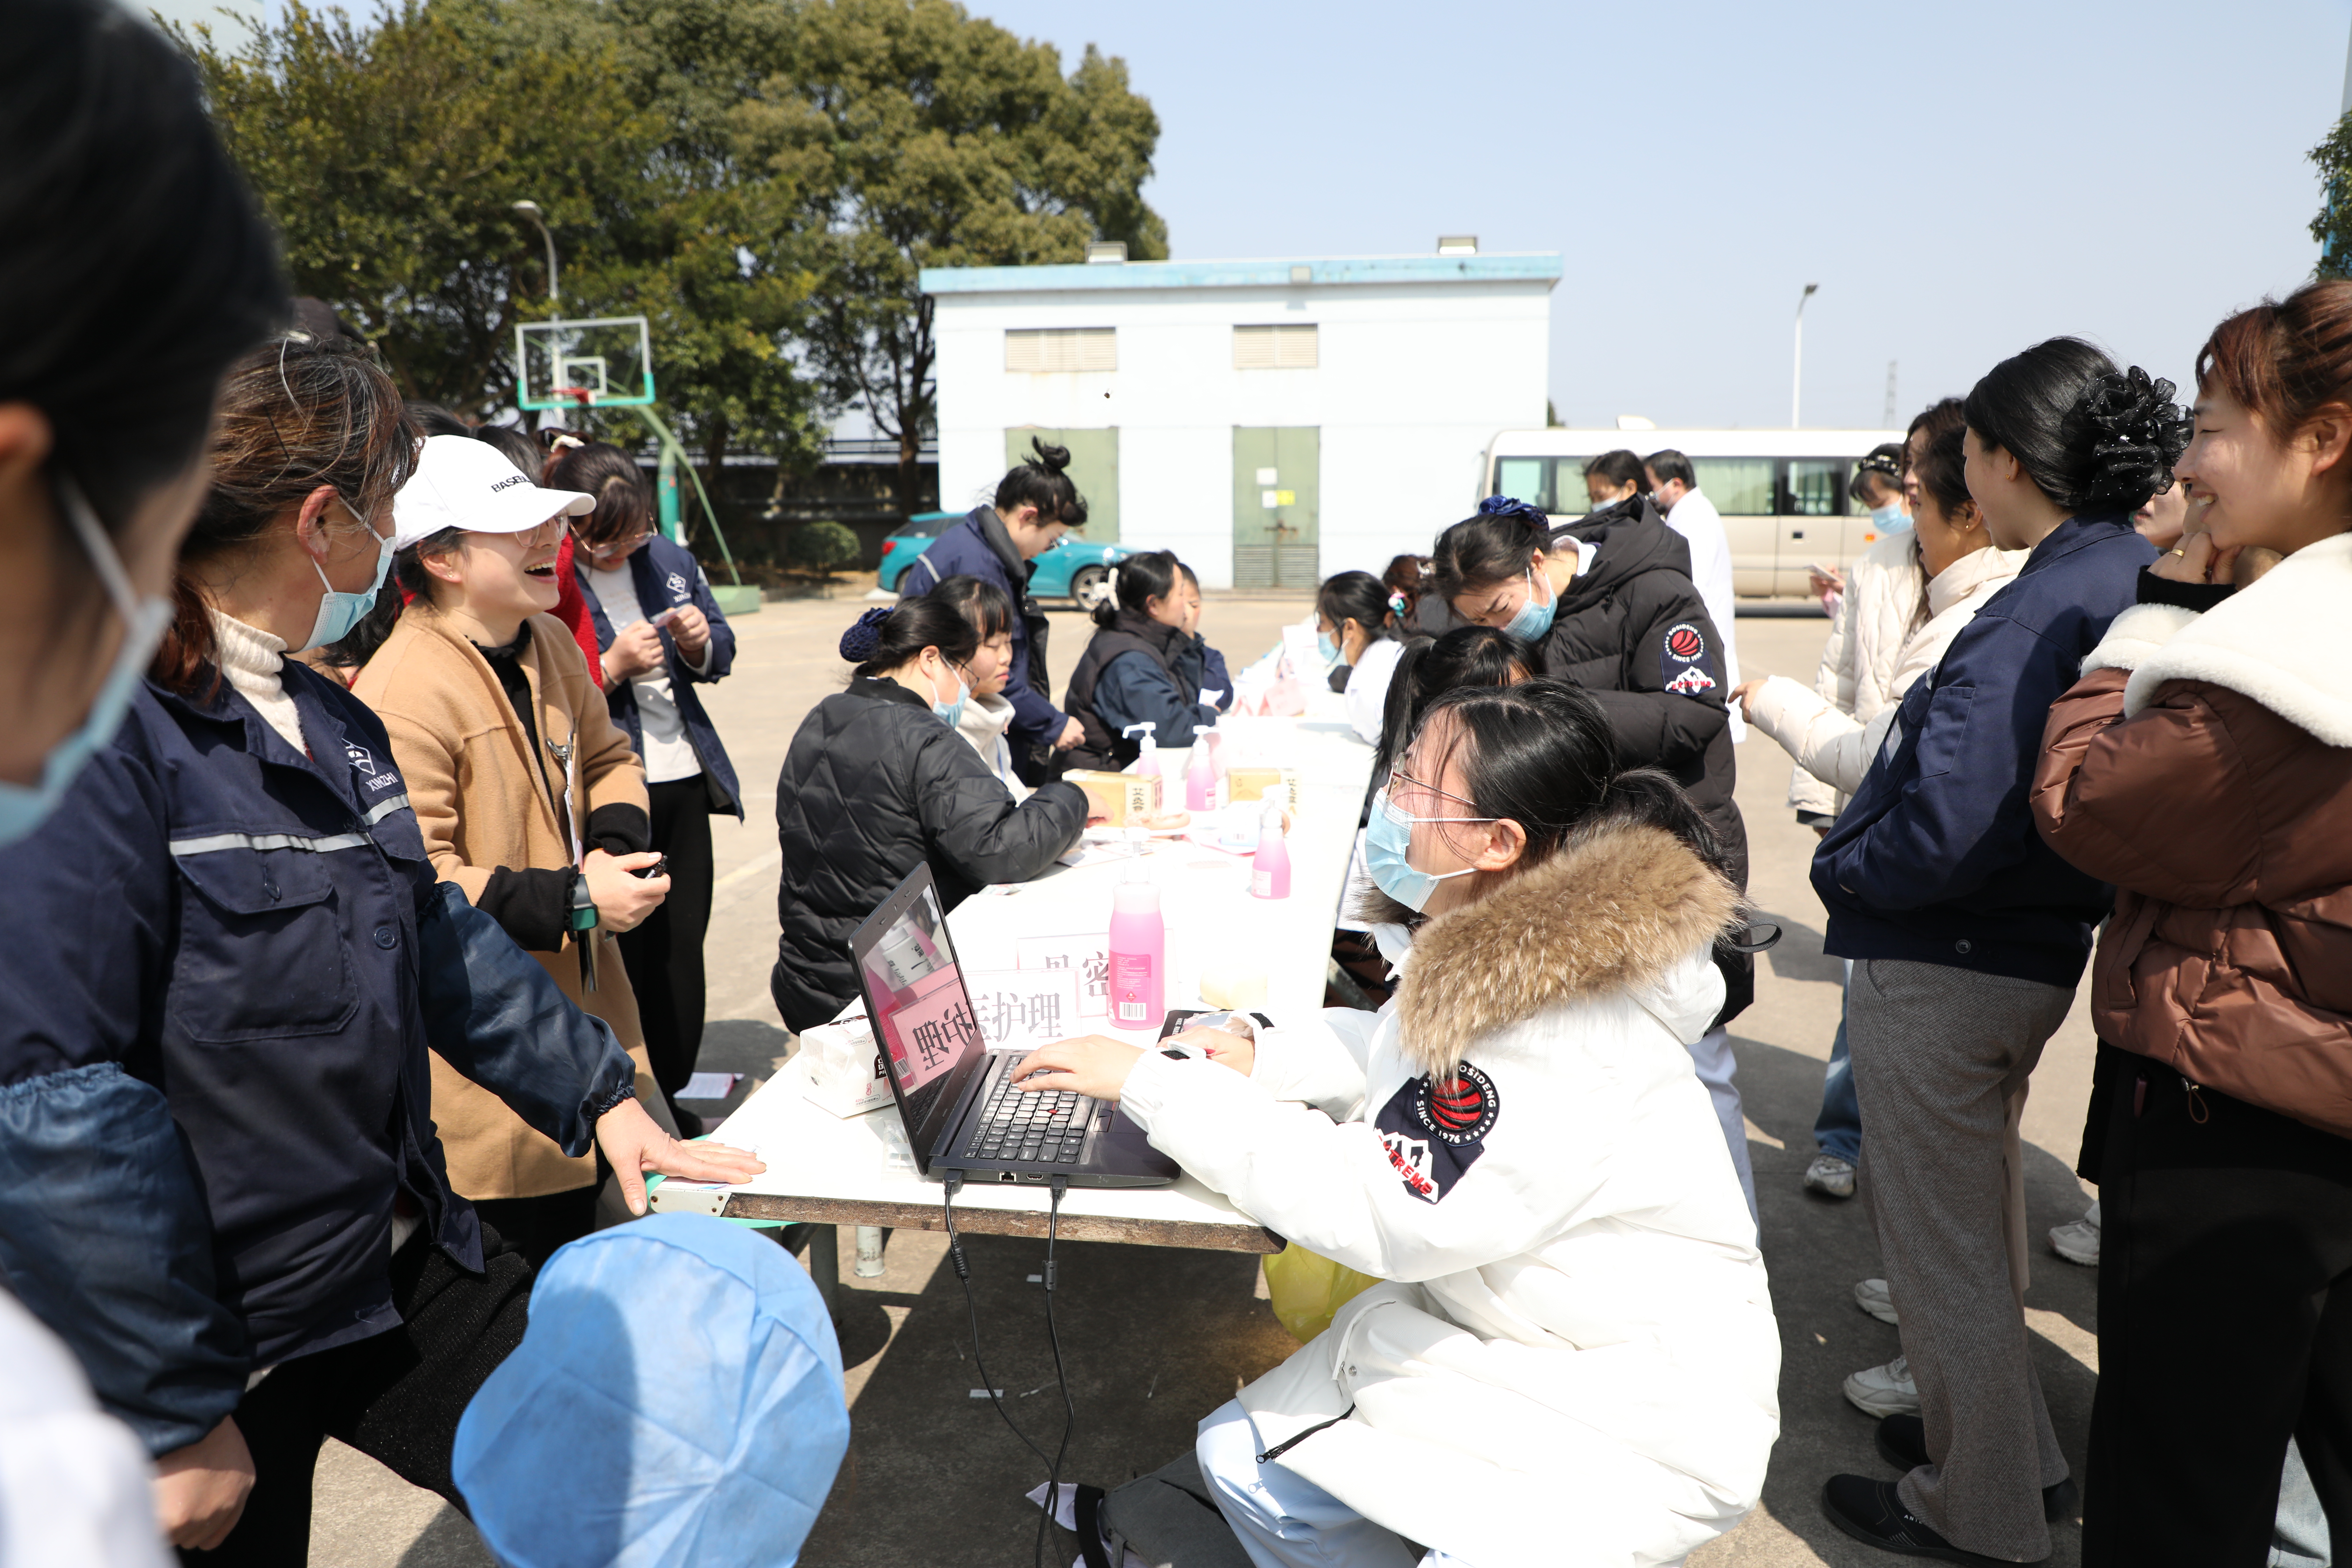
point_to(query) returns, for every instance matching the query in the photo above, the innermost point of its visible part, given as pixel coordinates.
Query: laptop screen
(915, 998)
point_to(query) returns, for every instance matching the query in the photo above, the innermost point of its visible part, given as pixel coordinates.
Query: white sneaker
(1830, 1177)
(2078, 1241)
(1884, 1391)
(1873, 1297)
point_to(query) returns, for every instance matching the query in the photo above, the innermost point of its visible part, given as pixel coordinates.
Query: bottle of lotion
(1270, 868)
(1147, 765)
(1138, 947)
(1201, 772)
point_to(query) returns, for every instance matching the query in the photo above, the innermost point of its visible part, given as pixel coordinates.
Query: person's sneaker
(2077, 1241)
(1830, 1177)
(1873, 1514)
(1885, 1390)
(1903, 1443)
(1873, 1297)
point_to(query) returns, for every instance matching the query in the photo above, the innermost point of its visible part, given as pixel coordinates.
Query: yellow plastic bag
(1309, 1290)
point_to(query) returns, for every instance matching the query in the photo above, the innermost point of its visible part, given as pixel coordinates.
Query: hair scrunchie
(2139, 434)
(1397, 604)
(1512, 507)
(865, 635)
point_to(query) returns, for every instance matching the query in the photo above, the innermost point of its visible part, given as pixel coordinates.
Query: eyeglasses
(626, 542)
(1398, 776)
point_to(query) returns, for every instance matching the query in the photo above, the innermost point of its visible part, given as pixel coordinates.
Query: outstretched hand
(635, 1144)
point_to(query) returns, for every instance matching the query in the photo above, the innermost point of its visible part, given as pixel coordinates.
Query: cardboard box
(1116, 800)
(1251, 780)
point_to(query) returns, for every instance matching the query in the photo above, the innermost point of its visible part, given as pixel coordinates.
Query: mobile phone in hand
(665, 617)
(658, 868)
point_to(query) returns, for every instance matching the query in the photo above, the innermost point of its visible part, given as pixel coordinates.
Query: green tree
(950, 143)
(2333, 226)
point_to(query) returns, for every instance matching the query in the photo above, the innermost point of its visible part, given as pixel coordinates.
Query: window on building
(1061, 348)
(1285, 347)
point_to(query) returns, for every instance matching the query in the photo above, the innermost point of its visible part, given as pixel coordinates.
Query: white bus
(1783, 494)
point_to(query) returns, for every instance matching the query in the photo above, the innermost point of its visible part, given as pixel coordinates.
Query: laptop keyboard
(1048, 1127)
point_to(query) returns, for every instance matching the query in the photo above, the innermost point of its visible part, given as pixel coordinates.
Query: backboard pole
(673, 453)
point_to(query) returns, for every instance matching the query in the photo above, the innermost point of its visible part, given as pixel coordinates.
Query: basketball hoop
(605, 363)
(578, 396)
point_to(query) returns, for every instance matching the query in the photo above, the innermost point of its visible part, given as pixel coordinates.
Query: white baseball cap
(460, 482)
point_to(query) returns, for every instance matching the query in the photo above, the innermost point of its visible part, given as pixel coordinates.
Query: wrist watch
(582, 913)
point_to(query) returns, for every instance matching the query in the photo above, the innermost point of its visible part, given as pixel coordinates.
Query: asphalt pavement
(1155, 1338)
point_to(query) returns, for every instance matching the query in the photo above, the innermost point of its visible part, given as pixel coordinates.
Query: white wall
(1412, 382)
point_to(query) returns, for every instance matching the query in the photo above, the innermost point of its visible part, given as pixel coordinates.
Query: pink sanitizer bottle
(1201, 771)
(1138, 950)
(1270, 867)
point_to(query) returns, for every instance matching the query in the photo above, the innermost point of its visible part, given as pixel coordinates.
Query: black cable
(1061, 1184)
(954, 1184)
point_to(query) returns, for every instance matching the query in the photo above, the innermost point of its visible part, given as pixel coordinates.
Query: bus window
(1816, 487)
(1739, 487)
(1525, 478)
(1567, 491)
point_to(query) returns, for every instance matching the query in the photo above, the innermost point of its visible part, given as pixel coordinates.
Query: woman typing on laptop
(1576, 1340)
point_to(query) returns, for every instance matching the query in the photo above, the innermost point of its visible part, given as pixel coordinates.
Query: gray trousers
(1941, 1056)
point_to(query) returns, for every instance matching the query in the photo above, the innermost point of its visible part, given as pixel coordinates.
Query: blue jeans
(1838, 1130)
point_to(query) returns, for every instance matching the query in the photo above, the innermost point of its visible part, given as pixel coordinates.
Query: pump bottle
(1270, 868)
(1201, 771)
(1147, 765)
(1139, 945)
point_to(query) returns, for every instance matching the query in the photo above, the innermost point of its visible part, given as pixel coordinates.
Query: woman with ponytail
(879, 780)
(1144, 665)
(1517, 1145)
(2203, 764)
(222, 1015)
(1968, 934)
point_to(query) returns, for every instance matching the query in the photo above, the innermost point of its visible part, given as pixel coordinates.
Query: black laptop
(956, 1094)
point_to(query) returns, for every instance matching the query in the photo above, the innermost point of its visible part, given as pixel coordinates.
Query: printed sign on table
(1087, 955)
(1021, 1009)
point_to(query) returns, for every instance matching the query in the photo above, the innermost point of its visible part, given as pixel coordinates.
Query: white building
(1272, 422)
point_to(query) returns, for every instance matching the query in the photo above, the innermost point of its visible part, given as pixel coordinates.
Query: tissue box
(1250, 781)
(843, 1067)
(1116, 800)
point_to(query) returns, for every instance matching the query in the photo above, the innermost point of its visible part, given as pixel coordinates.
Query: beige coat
(482, 804)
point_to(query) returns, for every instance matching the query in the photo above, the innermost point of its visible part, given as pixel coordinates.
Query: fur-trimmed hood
(2283, 641)
(1616, 912)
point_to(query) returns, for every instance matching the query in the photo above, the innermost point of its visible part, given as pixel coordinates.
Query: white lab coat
(1695, 518)
(1577, 1362)
(1367, 692)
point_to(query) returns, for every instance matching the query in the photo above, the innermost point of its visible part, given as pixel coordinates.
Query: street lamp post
(1797, 373)
(530, 210)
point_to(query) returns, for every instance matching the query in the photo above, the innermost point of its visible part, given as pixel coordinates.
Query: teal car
(1074, 569)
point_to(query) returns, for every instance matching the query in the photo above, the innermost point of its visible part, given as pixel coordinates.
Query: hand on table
(200, 1491)
(635, 1144)
(1092, 1065)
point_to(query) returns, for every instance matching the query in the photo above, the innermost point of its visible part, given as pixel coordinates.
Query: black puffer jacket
(1633, 630)
(873, 785)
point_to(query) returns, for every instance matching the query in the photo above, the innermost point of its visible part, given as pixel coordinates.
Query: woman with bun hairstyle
(999, 543)
(220, 1008)
(1143, 665)
(1607, 603)
(1359, 621)
(879, 780)
(1572, 1355)
(2203, 764)
(659, 636)
(1968, 934)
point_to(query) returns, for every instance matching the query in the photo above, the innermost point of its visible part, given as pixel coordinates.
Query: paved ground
(1155, 1338)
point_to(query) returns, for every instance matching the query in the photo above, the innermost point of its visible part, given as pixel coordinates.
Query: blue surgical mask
(1889, 519)
(1388, 840)
(951, 712)
(1534, 619)
(340, 611)
(23, 807)
(1327, 647)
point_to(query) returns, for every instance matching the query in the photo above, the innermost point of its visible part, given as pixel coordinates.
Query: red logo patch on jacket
(1434, 1132)
(1682, 660)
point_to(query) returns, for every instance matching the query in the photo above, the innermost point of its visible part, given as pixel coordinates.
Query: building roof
(1282, 272)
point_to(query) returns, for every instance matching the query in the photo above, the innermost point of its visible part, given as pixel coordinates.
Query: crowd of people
(356, 786)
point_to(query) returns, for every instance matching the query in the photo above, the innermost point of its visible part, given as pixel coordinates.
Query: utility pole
(1797, 375)
(1889, 424)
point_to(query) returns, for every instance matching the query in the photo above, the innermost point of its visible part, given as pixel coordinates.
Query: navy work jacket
(1937, 859)
(665, 575)
(979, 547)
(225, 964)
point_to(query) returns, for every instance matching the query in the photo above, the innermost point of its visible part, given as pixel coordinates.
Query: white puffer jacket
(1577, 1362)
(1833, 748)
(1885, 601)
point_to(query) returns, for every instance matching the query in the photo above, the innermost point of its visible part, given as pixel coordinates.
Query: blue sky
(1961, 180)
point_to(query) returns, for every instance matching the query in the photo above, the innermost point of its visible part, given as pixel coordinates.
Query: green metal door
(1094, 469)
(1277, 470)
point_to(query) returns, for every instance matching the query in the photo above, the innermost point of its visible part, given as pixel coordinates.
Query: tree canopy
(762, 179)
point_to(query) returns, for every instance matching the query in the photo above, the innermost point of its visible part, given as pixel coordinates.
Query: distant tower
(1888, 424)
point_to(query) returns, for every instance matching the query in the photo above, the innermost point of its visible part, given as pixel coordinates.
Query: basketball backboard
(607, 363)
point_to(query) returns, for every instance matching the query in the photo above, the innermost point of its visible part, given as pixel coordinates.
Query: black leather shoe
(1903, 1443)
(1871, 1512)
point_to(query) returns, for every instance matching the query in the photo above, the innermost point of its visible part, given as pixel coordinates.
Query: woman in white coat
(1574, 1361)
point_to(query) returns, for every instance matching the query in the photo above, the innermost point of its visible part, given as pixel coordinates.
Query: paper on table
(709, 1085)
